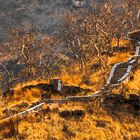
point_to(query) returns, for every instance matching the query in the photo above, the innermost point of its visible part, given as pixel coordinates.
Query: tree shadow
(117, 105)
(66, 90)
(76, 114)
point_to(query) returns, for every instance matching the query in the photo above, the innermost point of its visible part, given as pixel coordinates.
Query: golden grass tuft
(122, 42)
(134, 85)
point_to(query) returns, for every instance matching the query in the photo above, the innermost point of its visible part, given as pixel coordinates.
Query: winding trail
(120, 73)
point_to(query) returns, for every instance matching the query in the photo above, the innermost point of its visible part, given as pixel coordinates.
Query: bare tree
(36, 57)
(38, 53)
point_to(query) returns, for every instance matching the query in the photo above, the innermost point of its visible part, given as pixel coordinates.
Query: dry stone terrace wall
(119, 73)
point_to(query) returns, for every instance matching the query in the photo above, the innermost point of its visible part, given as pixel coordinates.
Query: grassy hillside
(42, 40)
(110, 119)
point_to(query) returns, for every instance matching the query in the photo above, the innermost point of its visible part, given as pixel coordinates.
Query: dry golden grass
(50, 126)
(134, 85)
(96, 78)
(122, 42)
(119, 57)
(33, 82)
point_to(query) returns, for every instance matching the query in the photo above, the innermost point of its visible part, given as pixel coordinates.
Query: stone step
(119, 73)
(123, 65)
(113, 81)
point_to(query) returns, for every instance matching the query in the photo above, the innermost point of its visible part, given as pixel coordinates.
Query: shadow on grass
(117, 105)
(66, 90)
